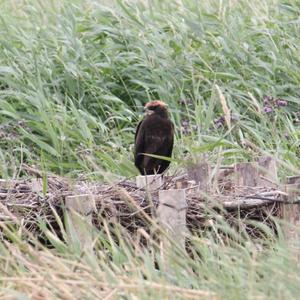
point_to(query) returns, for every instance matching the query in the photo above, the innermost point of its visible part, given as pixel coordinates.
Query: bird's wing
(171, 144)
(137, 130)
(139, 143)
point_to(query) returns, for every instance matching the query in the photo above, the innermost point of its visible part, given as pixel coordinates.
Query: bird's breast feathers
(156, 138)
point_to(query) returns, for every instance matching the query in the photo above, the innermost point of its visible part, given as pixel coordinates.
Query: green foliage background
(74, 76)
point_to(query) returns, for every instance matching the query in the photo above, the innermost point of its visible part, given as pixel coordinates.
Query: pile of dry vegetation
(124, 203)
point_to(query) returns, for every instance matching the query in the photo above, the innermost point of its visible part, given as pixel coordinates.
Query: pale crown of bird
(155, 103)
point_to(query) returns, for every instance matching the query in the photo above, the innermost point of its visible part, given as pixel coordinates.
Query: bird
(154, 135)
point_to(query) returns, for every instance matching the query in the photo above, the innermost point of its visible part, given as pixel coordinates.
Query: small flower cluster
(219, 122)
(270, 103)
(187, 128)
(185, 101)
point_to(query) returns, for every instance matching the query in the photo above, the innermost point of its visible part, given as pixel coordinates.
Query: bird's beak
(148, 111)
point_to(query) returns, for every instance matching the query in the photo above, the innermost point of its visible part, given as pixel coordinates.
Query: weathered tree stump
(267, 172)
(149, 182)
(171, 214)
(37, 185)
(79, 220)
(293, 179)
(291, 212)
(246, 174)
(200, 173)
(182, 184)
(7, 184)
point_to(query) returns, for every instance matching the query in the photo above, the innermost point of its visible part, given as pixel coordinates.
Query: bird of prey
(154, 135)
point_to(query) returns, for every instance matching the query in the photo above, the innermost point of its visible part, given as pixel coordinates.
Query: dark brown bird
(154, 135)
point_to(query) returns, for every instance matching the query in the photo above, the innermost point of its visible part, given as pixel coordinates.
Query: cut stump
(149, 182)
(79, 220)
(200, 173)
(267, 172)
(246, 174)
(291, 213)
(171, 214)
(293, 179)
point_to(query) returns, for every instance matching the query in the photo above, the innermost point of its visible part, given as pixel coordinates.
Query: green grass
(77, 74)
(121, 269)
(74, 76)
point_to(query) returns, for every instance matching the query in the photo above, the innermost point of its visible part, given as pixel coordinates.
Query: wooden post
(267, 169)
(182, 184)
(3, 183)
(293, 179)
(171, 214)
(79, 219)
(37, 185)
(149, 182)
(246, 174)
(291, 213)
(187, 185)
(201, 175)
(7, 184)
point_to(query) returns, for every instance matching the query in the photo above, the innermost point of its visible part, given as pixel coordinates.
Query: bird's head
(156, 107)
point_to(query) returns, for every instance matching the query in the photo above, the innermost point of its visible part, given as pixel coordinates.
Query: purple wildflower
(281, 102)
(219, 122)
(185, 127)
(185, 101)
(268, 109)
(221, 119)
(186, 131)
(267, 100)
(185, 123)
